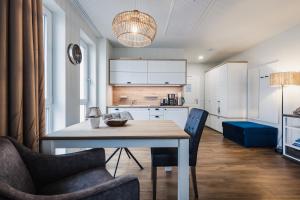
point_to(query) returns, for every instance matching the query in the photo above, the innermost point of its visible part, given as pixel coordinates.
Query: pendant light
(134, 28)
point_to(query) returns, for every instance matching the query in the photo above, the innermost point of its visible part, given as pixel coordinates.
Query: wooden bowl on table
(115, 122)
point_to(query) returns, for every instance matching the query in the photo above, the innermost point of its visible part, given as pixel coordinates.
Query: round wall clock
(74, 53)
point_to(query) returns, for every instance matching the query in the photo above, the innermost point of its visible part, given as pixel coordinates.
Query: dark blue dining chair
(162, 157)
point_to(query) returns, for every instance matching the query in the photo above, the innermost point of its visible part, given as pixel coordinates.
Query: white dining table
(136, 133)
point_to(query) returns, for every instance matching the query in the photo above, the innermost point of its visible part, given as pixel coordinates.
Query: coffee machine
(172, 100)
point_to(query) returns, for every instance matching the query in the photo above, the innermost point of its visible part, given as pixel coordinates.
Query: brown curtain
(22, 101)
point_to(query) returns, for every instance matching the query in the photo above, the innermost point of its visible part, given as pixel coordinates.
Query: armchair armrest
(124, 187)
(49, 168)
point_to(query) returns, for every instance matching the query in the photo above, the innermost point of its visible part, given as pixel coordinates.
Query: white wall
(285, 48)
(66, 75)
(283, 53)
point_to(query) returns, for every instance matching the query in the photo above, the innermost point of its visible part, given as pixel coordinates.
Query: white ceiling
(216, 29)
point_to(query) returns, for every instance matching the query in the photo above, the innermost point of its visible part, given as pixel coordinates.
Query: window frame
(86, 57)
(48, 56)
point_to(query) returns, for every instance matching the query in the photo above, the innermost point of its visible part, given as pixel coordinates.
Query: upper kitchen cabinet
(126, 72)
(167, 72)
(148, 72)
(128, 66)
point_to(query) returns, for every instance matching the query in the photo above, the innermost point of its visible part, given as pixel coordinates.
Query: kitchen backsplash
(141, 95)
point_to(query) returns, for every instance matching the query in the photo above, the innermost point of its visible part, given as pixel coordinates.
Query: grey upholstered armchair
(26, 175)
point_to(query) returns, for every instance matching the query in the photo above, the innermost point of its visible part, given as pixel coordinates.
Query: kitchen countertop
(144, 106)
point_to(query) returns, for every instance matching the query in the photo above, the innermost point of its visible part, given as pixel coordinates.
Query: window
(84, 79)
(47, 36)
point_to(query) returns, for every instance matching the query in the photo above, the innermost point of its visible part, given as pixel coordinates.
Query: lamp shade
(285, 78)
(134, 28)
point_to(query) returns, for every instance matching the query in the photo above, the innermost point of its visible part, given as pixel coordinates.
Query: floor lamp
(284, 79)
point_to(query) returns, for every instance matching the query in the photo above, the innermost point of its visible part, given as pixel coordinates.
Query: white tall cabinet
(226, 94)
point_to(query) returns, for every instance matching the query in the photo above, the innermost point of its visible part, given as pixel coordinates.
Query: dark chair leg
(118, 162)
(193, 173)
(137, 162)
(126, 150)
(154, 180)
(112, 155)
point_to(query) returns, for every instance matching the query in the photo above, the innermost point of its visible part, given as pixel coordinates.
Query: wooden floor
(225, 170)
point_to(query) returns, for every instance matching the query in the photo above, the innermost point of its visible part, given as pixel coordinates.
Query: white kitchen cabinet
(177, 115)
(137, 113)
(143, 72)
(167, 66)
(166, 78)
(127, 78)
(156, 117)
(128, 66)
(156, 111)
(226, 93)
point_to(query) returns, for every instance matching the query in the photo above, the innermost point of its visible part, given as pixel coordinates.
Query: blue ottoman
(250, 134)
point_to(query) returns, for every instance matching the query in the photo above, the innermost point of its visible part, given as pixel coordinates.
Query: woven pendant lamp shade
(134, 28)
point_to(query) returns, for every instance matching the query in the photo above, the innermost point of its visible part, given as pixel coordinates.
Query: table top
(291, 115)
(134, 129)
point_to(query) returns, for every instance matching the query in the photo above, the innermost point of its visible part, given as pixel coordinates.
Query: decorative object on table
(74, 54)
(94, 114)
(283, 79)
(115, 122)
(297, 111)
(134, 28)
(118, 115)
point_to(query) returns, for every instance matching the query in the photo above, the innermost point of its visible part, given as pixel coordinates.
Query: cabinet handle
(266, 76)
(128, 82)
(156, 116)
(262, 77)
(156, 108)
(116, 108)
(166, 82)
